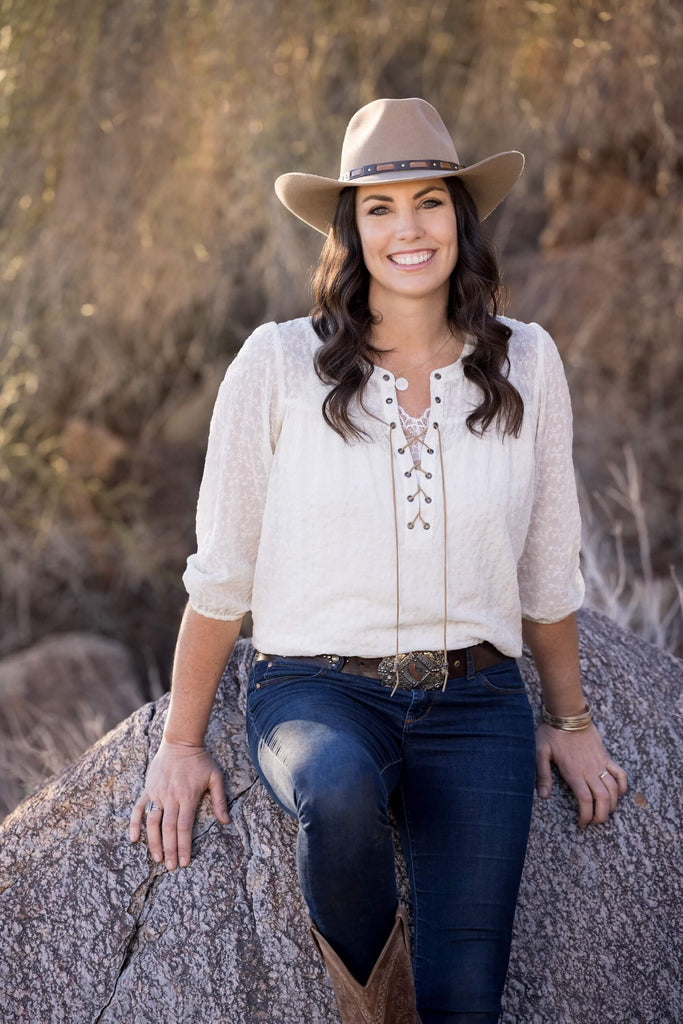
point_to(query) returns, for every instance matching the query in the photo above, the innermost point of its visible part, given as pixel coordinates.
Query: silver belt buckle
(416, 670)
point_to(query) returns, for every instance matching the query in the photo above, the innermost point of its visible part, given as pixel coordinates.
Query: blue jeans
(458, 771)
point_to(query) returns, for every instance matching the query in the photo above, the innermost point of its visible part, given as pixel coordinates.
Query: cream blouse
(353, 548)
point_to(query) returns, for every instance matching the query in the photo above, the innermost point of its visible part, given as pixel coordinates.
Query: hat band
(400, 165)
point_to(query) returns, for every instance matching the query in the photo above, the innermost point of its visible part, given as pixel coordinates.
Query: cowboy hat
(397, 140)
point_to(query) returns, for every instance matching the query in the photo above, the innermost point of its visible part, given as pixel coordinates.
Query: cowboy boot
(388, 996)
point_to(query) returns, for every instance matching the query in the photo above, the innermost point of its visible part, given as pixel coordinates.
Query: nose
(408, 224)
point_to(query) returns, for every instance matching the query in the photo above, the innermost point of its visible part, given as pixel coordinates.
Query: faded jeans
(457, 769)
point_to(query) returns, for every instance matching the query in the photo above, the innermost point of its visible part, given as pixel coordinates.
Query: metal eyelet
(426, 526)
(437, 399)
(428, 500)
(408, 473)
(386, 376)
(428, 476)
(389, 401)
(411, 526)
(430, 451)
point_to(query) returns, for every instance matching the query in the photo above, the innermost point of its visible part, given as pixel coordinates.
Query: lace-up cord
(413, 441)
(393, 494)
(416, 440)
(445, 561)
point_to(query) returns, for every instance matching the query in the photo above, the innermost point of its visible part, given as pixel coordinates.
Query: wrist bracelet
(571, 723)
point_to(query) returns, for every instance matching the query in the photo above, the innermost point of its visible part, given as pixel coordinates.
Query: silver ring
(151, 806)
(603, 773)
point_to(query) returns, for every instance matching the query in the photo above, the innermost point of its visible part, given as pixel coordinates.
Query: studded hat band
(400, 165)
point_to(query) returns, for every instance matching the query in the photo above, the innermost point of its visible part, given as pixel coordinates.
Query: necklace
(401, 382)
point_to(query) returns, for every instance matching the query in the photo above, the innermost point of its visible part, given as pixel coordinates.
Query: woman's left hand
(581, 758)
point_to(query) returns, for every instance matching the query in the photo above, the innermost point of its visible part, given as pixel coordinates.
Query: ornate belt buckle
(416, 670)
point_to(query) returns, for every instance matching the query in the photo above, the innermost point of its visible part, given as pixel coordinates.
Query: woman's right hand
(176, 780)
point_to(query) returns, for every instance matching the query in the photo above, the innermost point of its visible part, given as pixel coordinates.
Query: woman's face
(409, 236)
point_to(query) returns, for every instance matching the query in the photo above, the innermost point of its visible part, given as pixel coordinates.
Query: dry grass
(38, 745)
(633, 595)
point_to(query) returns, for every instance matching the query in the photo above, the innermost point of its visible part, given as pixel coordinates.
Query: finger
(169, 828)
(153, 826)
(618, 773)
(586, 806)
(601, 798)
(612, 788)
(186, 817)
(136, 817)
(544, 779)
(218, 798)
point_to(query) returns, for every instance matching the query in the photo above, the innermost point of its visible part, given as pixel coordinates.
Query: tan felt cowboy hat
(397, 140)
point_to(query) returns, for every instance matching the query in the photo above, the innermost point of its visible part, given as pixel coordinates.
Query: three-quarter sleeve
(243, 433)
(551, 584)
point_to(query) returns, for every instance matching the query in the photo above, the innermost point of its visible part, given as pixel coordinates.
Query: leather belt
(416, 669)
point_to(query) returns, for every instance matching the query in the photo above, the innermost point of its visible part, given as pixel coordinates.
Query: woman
(389, 487)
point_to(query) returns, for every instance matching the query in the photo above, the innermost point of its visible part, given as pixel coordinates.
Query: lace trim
(414, 428)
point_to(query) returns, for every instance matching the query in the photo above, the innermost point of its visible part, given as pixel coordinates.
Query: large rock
(95, 931)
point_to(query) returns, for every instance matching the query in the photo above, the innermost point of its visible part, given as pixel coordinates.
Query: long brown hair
(343, 321)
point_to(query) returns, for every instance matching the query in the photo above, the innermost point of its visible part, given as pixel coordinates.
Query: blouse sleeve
(551, 585)
(243, 433)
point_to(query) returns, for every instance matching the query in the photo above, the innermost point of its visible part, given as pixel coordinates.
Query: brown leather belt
(416, 669)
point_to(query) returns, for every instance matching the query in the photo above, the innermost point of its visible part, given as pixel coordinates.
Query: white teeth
(410, 258)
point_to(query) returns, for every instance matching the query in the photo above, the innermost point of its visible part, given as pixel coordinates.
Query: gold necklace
(401, 382)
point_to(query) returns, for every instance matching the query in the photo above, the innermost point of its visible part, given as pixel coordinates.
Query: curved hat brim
(313, 198)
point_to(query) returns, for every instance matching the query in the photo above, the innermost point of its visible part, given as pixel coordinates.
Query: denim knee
(345, 797)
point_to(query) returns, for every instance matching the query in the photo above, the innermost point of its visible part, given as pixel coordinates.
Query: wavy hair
(342, 319)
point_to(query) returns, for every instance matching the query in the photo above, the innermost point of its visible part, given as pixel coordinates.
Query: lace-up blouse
(373, 546)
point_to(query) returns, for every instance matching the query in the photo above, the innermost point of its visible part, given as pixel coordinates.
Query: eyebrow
(422, 192)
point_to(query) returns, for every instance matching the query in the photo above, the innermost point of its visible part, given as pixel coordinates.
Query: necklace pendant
(401, 384)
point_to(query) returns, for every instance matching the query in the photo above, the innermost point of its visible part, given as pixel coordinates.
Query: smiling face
(408, 233)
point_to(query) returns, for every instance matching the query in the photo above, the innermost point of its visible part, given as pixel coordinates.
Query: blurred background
(141, 241)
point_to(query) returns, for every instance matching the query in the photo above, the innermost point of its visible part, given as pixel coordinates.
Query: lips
(411, 259)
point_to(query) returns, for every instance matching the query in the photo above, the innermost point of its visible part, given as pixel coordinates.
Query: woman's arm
(182, 770)
(202, 650)
(580, 756)
(555, 647)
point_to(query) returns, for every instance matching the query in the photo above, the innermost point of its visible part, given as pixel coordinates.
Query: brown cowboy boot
(388, 996)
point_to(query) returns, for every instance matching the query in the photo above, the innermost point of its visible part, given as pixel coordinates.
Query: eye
(434, 202)
(379, 210)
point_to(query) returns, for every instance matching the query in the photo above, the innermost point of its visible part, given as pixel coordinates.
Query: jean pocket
(265, 674)
(289, 666)
(502, 678)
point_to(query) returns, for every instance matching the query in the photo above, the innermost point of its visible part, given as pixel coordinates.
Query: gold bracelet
(571, 723)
